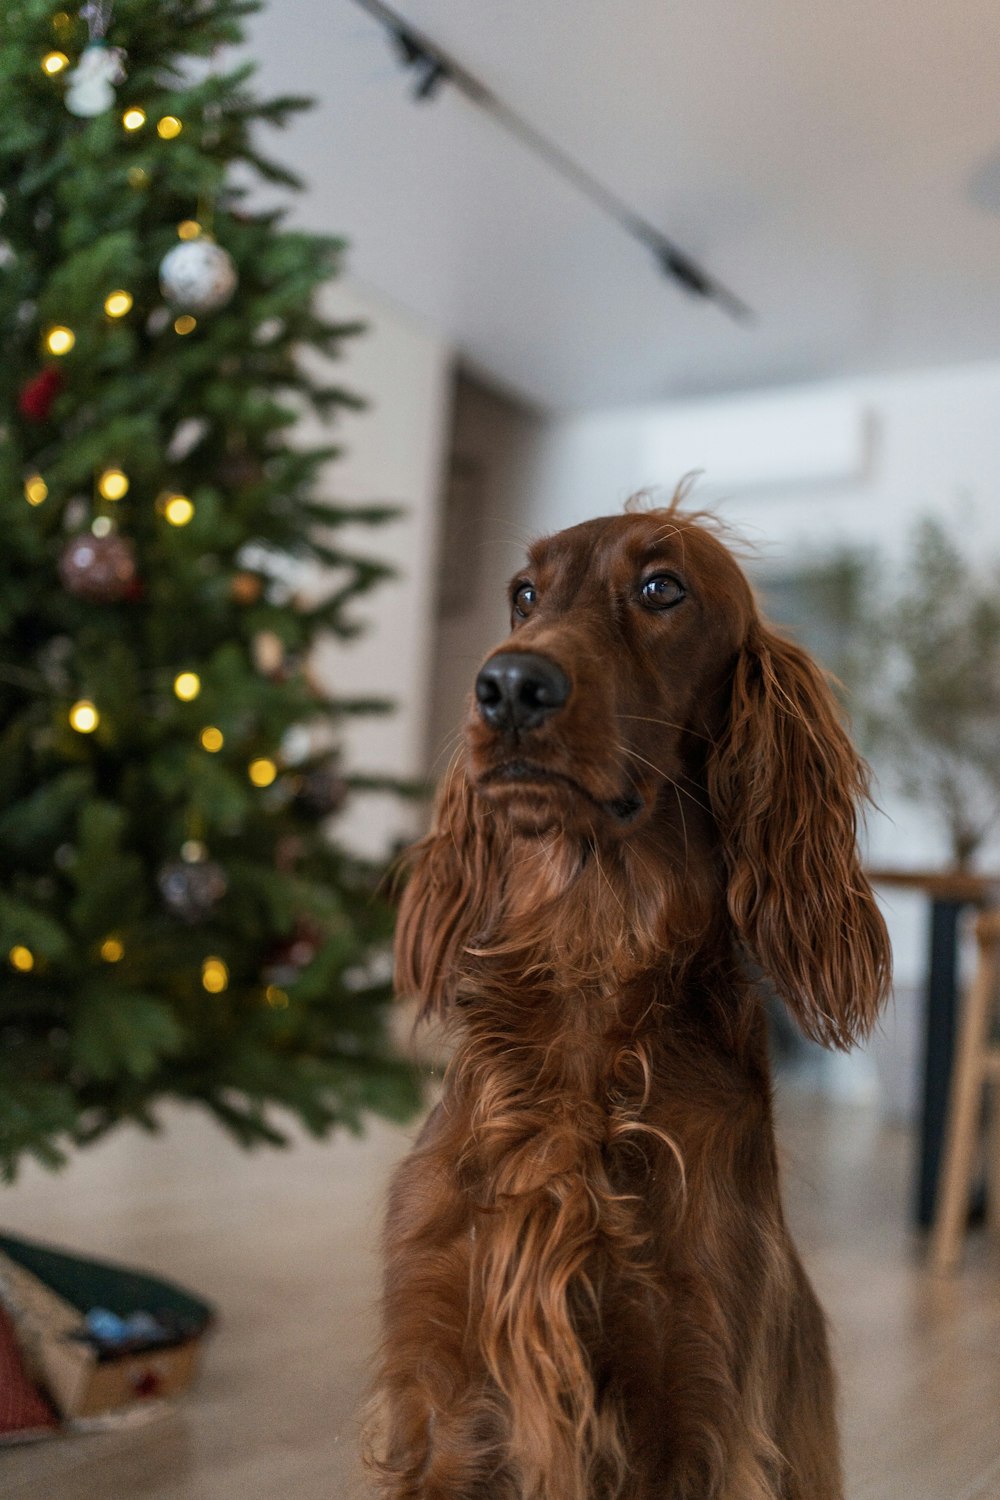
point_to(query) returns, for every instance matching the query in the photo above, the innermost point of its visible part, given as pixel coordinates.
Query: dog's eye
(524, 600)
(662, 591)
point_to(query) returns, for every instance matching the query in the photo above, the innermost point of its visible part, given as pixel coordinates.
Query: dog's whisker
(684, 827)
(447, 743)
(670, 780)
(670, 724)
(604, 876)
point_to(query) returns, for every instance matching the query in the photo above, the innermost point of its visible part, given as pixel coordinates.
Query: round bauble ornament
(100, 569)
(191, 888)
(90, 88)
(198, 275)
(322, 792)
(285, 961)
(246, 588)
(36, 396)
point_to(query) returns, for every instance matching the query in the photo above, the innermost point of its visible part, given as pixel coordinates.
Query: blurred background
(813, 330)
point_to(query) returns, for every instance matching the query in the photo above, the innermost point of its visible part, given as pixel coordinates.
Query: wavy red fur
(590, 1291)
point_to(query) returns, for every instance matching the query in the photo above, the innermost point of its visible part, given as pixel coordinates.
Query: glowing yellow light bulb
(275, 997)
(35, 489)
(83, 717)
(21, 958)
(214, 975)
(54, 62)
(185, 324)
(112, 950)
(188, 229)
(212, 739)
(113, 484)
(134, 118)
(178, 509)
(187, 686)
(262, 771)
(60, 340)
(169, 127)
(117, 304)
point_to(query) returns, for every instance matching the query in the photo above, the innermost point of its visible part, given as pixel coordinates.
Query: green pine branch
(266, 998)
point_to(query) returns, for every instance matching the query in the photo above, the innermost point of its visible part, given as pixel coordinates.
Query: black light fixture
(431, 71)
(432, 67)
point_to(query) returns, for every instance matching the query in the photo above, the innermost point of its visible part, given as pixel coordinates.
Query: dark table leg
(939, 1049)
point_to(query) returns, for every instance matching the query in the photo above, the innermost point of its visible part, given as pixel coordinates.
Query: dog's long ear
(450, 899)
(786, 784)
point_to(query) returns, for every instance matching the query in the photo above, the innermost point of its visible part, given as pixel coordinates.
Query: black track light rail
(433, 66)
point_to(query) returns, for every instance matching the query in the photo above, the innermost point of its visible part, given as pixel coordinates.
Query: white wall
(394, 452)
(932, 442)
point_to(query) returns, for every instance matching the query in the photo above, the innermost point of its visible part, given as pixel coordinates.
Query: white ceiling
(837, 164)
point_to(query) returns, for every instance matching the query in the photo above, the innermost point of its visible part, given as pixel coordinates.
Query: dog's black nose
(517, 690)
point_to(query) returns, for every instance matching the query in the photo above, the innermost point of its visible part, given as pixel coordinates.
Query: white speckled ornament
(198, 275)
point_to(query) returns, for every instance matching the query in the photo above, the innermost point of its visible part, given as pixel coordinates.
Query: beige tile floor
(285, 1244)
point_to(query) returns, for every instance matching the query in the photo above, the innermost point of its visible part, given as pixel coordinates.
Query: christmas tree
(174, 919)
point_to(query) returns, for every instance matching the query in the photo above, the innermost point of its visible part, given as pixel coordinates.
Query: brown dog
(590, 1292)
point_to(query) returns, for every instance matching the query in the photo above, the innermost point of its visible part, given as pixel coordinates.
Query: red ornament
(36, 398)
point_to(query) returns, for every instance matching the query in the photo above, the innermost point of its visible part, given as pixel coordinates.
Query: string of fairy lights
(206, 285)
(214, 970)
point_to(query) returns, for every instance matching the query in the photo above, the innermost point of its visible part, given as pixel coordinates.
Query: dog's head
(598, 706)
(641, 709)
